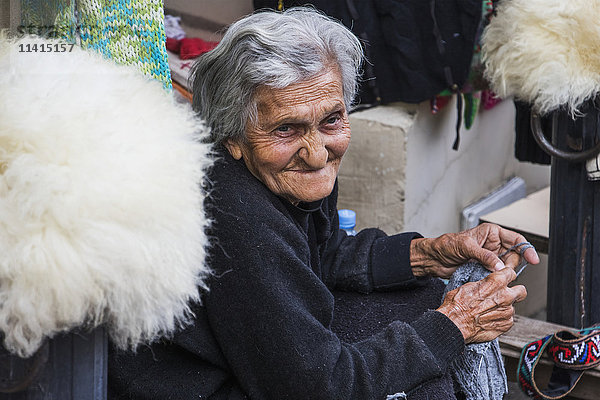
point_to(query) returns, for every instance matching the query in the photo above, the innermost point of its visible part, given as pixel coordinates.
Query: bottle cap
(347, 219)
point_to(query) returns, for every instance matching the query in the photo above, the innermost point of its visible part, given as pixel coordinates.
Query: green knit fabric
(129, 32)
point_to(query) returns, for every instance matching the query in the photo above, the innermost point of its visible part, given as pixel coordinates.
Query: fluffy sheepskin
(101, 206)
(545, 52)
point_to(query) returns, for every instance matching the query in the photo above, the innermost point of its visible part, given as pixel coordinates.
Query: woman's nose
(313, 152)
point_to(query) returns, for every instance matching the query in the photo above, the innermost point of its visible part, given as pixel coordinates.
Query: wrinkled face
(301, 133)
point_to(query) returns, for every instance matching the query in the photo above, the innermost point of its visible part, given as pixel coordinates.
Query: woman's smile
(303, 131)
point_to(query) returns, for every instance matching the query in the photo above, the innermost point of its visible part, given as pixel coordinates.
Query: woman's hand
(484, 310)
(441, 256)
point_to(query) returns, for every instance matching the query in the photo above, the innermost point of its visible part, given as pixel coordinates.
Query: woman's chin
(301, 185)
(313, 191)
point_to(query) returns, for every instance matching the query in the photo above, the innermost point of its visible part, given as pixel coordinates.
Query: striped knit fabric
(130, 32)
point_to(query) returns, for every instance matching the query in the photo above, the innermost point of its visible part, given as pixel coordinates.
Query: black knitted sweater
(264, 328)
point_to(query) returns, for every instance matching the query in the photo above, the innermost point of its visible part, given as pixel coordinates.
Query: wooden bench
(527, 330)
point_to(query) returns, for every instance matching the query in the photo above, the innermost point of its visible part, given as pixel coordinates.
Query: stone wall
(401, 173)
(373, 172)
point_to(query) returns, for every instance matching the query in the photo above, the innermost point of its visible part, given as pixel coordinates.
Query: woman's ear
(234, 148)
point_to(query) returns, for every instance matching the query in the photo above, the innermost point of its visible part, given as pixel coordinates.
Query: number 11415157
(46, 47)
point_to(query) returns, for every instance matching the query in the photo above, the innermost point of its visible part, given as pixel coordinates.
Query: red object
(438, 103)
(173, 45)
(193, 47)
(489, 99)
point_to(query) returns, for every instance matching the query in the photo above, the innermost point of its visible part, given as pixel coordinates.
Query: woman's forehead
(322, 91)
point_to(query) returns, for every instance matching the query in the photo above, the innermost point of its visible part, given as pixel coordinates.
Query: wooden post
(10, 14)
(69, 367)
(574, 248)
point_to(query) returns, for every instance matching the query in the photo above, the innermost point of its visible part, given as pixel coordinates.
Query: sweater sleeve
(369, 261)
(271, 317)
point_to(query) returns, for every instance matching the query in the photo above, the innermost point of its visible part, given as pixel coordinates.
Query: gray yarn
(396, 396)
(479, 371)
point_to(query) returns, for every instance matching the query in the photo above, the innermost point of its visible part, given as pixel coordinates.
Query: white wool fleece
(101, 205)
(545, 52)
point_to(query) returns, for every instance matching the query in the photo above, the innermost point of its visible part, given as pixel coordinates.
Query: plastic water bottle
(347, 221)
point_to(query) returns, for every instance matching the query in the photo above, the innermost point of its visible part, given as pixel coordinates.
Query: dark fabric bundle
(415, 48)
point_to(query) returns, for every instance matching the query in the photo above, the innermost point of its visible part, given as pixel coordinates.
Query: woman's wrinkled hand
(484, 310)
(485, 243)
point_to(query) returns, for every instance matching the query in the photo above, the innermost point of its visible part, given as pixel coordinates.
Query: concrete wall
(443, 181)
(426, 188)
(440, 182)
(372, 176)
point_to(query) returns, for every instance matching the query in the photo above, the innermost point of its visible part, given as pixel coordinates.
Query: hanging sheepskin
(101, 218)
(545, 52)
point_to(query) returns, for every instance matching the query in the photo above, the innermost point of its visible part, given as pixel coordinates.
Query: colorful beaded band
(572, 353)
(576, 350)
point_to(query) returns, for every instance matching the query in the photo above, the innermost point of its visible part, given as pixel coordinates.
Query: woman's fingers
(514, 258)
(488, 241)
(485, 257)
(484, 243)
(498, 320)
(509, 239)
(499, 279)
(520, 292)
(484, 310)
(531, 256)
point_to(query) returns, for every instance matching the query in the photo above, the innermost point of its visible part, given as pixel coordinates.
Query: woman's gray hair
(272, 49)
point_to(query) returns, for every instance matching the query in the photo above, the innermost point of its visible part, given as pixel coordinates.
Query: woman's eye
(332, 120)
(285, 131)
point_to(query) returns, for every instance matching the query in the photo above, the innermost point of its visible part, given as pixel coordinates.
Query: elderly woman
(276, 94)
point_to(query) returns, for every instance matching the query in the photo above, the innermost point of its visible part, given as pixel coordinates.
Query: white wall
(441, 182)
(433, 182)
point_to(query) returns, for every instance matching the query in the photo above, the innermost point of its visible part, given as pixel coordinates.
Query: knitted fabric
(129, 32)
(479, 371)
(358, 316)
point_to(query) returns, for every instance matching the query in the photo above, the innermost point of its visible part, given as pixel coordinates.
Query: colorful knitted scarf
(129, 32)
